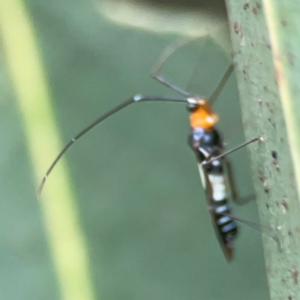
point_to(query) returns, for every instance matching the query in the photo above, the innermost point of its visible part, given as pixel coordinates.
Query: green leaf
(266, 45)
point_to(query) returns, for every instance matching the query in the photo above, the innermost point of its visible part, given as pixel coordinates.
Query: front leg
(224, 154)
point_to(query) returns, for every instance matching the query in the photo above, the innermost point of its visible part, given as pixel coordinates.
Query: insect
(207, 145)
(205, 142)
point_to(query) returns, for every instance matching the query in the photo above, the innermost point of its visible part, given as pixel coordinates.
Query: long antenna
(221, 85)
(134, 99)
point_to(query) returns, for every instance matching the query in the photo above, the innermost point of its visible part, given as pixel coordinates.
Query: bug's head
(193, 103)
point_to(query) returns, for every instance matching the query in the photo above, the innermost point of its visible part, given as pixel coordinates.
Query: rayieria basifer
(204, 140)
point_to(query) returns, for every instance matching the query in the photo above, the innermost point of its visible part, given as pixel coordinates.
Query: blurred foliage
(140, 202)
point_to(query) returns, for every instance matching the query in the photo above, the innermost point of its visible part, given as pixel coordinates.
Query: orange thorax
(203, 117)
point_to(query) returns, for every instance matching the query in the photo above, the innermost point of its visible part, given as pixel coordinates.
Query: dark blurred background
(136, 190)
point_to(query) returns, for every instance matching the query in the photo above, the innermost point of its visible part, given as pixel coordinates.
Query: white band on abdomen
(218, 185)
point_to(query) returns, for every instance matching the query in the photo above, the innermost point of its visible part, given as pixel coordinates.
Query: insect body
(205, 142)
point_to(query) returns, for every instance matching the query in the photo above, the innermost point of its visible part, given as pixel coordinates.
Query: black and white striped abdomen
(207, 144)
(226, 226)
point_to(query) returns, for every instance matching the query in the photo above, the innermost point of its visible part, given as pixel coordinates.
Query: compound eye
(191, 107)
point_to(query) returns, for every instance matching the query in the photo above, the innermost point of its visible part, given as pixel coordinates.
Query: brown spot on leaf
(236, 27)
(246, 6)
(272, 123)
(238, 30)
(284, 206)
(295, 274)
(254, 10)
(283, 23)
(261, 176)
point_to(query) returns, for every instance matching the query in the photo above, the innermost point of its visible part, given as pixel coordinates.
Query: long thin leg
(136, 98)
(264, 229)
(221, 85)
(206, 162)
(155, 74)
(237, 199)
(171, 49)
